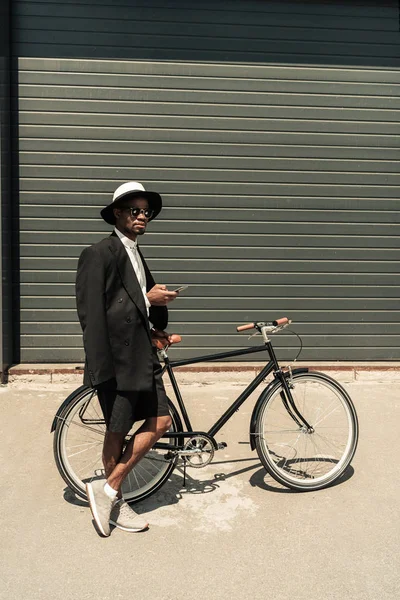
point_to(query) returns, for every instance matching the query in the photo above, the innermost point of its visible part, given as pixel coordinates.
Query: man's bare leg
(143, 440)
(112, 451)
(117, 468)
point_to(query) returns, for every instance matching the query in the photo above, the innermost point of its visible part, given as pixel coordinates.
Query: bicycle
(304, 428)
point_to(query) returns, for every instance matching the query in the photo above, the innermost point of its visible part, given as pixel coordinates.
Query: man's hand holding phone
(160, 296)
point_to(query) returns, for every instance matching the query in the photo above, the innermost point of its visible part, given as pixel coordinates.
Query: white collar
(125, 240)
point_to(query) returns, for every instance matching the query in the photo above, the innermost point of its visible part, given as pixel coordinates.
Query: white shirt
(134, 257)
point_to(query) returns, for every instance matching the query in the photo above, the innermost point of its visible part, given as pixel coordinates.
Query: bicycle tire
(294, 457)
(78, 442)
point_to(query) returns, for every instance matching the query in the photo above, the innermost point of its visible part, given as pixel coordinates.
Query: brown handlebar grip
(174, 338)
(281, 321)
(244, 327)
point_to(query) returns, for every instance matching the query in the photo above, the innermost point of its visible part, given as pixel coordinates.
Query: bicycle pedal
(221, 445)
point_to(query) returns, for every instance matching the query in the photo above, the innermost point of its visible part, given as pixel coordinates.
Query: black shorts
(121, 409)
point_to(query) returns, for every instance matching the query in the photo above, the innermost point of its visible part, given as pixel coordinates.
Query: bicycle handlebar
(277, 323)
(282, 321)
(244, 327)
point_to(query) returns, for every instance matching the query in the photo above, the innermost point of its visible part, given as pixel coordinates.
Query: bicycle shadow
(263, 480)
(178, 485)
(181, 484)
(70, 497)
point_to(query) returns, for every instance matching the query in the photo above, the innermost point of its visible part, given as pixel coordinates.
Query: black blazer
(113, 317)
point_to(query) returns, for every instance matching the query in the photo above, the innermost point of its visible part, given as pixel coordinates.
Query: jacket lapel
(149, 279)
(127, 273)
(158, 315)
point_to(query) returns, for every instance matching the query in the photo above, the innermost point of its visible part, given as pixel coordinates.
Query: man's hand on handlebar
(159, 334)
(162, 339)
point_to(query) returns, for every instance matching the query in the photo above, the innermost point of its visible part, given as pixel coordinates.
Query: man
(120, 308)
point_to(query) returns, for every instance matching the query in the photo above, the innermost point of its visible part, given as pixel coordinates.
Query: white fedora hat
(128, 190)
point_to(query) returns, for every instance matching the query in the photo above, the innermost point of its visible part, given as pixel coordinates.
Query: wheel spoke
(303, 458)
(78, 448)
(71, 455)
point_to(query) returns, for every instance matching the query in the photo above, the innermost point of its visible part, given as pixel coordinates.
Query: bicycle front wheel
(78, 445)
(294, 456)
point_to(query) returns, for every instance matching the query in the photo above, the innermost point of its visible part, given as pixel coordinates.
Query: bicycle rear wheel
(78, 443)
(291, 454)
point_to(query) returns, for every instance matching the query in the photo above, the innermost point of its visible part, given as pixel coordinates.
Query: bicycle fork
(286, 394)
(289, 403)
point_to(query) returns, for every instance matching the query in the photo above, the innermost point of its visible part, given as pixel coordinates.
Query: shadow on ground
(181, 483)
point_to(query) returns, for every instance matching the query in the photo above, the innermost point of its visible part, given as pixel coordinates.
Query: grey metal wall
(6, 332)
(271, 129)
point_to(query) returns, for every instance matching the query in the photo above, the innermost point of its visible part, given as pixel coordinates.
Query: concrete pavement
(232, 533)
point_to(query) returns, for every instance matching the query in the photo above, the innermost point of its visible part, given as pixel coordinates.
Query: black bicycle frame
(272, 365)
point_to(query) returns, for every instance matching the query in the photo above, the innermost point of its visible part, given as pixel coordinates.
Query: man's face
(128, 224)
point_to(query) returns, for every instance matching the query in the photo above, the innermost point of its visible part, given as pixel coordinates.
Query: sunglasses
(135, 212)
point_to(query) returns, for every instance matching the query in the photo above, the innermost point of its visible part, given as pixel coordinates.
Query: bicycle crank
(195, 447)
(198, 451)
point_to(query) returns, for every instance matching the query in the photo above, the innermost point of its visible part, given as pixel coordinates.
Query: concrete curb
(210, 372)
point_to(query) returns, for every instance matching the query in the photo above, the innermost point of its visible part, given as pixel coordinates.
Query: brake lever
(254, 335)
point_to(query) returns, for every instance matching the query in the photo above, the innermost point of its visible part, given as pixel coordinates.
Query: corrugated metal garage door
(271, 129)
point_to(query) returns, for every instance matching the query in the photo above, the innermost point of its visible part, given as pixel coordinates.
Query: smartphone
(179, 289)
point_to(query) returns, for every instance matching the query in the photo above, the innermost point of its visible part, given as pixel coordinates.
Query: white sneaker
(100, 505)
(124, 517)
